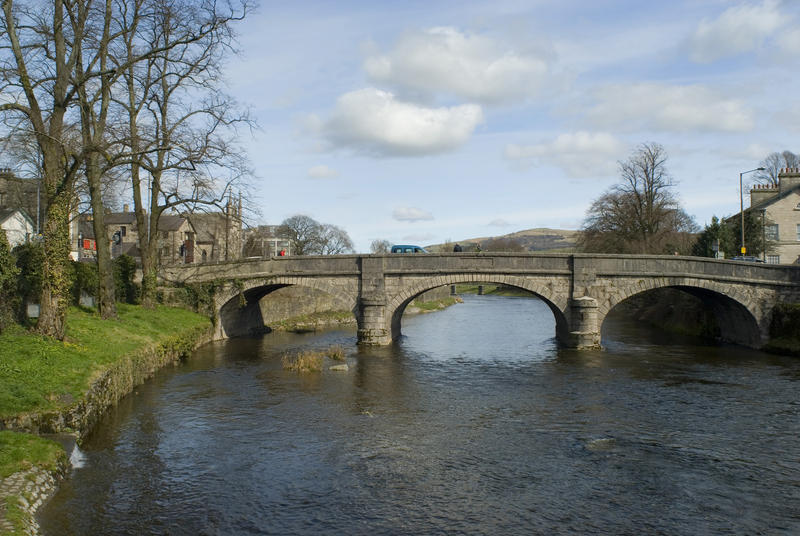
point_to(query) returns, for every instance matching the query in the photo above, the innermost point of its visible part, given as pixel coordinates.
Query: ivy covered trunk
(55, 269)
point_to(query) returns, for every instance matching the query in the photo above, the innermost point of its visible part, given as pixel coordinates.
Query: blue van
(407, 249)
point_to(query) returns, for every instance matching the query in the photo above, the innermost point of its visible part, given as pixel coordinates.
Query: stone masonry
(579, 289)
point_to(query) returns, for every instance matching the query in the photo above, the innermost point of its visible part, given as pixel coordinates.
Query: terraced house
(778, 209)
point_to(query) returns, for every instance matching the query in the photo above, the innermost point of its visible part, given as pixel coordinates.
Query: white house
(19, 227)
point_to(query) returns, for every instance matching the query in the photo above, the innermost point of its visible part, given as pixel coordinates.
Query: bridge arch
(238, 305)
(542, 289)
(739, 320)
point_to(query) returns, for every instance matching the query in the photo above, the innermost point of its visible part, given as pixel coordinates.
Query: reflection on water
(474, 423)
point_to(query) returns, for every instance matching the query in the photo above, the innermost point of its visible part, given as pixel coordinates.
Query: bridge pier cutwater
(580, 289)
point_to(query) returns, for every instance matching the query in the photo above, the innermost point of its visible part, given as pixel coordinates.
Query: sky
(426, 122)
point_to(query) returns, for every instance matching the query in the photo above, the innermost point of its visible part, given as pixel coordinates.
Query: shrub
(124, 272)
(30, 259)
(86, 280)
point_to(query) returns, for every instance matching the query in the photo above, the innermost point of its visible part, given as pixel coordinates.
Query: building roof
(169, 222)
(7, 213)
(117, 218)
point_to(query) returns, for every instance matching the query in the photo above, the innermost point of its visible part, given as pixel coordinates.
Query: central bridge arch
(543, 290)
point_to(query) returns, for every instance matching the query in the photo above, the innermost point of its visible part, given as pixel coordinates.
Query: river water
(474, 423)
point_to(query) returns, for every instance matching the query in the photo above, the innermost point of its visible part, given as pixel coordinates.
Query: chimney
(761, 192)
(126, 208)
(788, 178)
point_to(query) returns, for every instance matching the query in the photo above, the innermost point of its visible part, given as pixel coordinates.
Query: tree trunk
(106, 298)
(55, 270)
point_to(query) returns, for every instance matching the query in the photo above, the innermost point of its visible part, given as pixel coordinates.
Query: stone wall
(295, 301)
(31, 489)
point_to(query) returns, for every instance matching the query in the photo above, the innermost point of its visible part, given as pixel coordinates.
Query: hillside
(540, 240)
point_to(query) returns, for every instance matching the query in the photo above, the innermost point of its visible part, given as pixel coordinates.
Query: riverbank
(49, 386)
(314, 321)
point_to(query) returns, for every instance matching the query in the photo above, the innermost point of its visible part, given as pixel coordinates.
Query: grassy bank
(433, 305)
(314, 321)
(39, 375)
(494, 290)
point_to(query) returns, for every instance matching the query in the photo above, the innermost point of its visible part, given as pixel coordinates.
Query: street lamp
(741, 203)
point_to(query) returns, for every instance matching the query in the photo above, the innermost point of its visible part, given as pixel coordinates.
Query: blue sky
(420, 122)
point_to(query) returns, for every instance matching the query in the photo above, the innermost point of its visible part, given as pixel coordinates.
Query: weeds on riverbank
(312, 360)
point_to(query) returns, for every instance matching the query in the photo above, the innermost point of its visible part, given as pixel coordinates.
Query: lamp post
(741, 203)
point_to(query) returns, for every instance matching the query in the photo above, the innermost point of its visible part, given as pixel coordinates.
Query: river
(475, 422)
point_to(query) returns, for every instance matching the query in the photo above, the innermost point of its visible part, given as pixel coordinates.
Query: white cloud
(473, 67)
(375, 122)
(322, 172)
(579, 154)
(739, 29)
(669, 108)
(499, 222)
(411, 214)
(789, 41)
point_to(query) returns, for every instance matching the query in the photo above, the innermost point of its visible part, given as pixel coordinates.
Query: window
(165, 234)
(798, 232)
(771, 231)
(1, 198)
(773, 259)
(123, 230)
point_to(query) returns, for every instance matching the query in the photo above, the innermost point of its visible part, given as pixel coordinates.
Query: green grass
(312, 321)
(435, 305)
(19, 452)
(493, 290)
(39, 374)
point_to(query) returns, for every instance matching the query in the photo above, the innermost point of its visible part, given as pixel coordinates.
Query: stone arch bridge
(580, 289)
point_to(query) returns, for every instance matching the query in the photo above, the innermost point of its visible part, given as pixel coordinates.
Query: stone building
(778, 208)
(219, 234)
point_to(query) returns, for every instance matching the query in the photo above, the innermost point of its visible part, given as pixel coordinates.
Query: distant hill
(539, 240)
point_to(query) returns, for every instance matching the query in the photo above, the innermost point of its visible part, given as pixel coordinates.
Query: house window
(773, 259)
(165, 234)
(771, 231)
(798, 232)
(123, 230)
(1, 198)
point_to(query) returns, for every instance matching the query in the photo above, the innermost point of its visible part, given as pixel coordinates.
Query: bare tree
(334, 240)
(180, 124)
(640, 214)
(380, 246)
(39, 49)
(772, 165)
(303, 233)
(309, 237)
